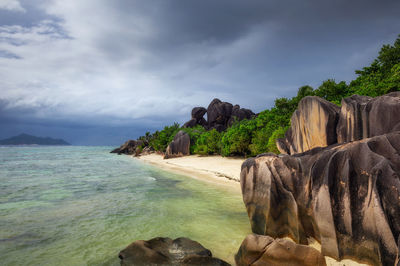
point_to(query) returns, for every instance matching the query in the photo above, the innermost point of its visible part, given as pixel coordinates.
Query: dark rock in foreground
(345, 196)
(180, 146)
(264, 250)
(165, 251)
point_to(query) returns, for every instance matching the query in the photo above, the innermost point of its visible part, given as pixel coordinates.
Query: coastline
(214, 169)
(221, 171)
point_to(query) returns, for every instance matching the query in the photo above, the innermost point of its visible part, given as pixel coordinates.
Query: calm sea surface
(82, 205)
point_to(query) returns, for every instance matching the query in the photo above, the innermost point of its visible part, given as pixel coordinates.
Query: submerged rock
(165, 251)
(264, 250)
(345, 196)
(180, 146)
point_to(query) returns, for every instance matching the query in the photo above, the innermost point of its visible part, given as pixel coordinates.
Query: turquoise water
(82, 205)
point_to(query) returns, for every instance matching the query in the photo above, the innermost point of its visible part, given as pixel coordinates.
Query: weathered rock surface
(197, 117)
(363, 117)
(313, 124)
(345, 196)
(180, 146)
(198, 113)
(129, 147)
(350, 125)
(165, 251)
(264, 250)
(239, 114)
(318, 123)
(218, 114)
(191, 123)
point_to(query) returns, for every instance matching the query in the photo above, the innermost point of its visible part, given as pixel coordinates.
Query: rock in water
(128, 147)
(313, 124)
(345, 196)
(180, 146)
(264, 250)
(165, 251)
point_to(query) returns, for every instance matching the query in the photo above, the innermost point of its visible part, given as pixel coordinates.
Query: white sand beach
(220, 171)
(215, 169)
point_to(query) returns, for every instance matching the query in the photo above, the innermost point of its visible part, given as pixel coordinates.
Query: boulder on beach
(165, 251)
(346, 196)
(180, 146)
(264, 250)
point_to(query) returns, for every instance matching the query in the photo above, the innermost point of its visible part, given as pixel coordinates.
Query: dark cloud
(140, 65)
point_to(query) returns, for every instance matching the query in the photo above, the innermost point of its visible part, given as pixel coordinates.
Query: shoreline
(223, 172)
(215, 169)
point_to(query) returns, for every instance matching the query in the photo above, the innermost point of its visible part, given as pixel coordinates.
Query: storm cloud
(119, 68)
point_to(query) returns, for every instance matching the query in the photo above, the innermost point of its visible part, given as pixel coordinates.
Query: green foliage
(258, 135)
(160, 139)
(194, 134)
(208, 143)
(278, 133)
(382, 76)
(237, 138)
(332, 91)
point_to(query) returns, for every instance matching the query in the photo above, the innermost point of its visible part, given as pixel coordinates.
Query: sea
(78, 205)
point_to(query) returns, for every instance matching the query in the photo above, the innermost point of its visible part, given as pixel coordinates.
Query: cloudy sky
(97, 72)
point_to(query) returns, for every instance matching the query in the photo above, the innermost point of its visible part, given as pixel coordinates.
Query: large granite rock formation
(220, 115)
(319, 123)
(180, 146)
(350, 126)
(239, 114)
(313, 124)
(165, 251)
(129, 147)
(363, 117)
(264, 250)
(345, 196)
(197, 117)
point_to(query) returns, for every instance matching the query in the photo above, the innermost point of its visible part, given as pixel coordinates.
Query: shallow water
(82, 205)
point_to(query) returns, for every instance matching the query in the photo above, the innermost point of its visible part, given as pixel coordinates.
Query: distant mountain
(25, 139)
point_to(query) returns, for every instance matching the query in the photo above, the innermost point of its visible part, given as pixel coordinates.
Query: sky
(99, 72)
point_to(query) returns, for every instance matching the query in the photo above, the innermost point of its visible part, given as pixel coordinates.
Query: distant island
(25, 139)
